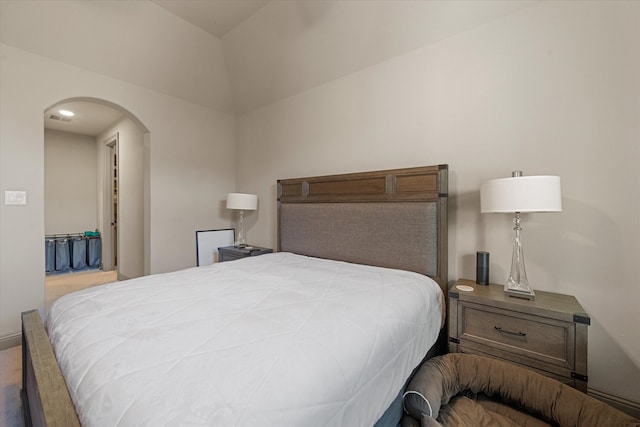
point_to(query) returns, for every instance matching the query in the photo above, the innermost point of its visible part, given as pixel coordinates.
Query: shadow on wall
(590, 254)
(608, 354)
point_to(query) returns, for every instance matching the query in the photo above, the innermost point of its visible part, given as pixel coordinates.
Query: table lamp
(242, 202)
(516, 195)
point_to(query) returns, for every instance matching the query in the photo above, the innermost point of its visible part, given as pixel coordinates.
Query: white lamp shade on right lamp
(521, 194)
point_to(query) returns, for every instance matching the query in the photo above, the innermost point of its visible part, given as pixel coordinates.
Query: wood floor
(11, 359)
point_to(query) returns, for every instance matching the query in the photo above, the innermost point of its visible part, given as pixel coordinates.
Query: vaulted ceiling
(217, 17)
(237, 55)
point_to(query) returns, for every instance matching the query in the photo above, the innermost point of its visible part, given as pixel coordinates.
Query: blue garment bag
(62, 255)
(49, 255)
(94, 252)
(78, 253)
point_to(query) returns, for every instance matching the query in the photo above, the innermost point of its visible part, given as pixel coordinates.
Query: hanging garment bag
(94, 252)
(49, 255)
(78, 253)
(62, 255)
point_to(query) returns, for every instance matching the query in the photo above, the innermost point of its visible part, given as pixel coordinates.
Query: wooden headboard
(392, 218)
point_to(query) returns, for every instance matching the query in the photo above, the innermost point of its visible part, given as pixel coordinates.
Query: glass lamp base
(518, 285)
(518, 291)
(240, 241)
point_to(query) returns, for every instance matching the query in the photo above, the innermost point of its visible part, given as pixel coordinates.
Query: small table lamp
(242, 202)
(515, 195)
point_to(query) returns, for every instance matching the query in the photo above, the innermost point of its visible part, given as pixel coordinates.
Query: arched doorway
(120, 190)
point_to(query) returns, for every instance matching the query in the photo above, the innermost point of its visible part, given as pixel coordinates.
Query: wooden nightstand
(548, 335)
(229, 253)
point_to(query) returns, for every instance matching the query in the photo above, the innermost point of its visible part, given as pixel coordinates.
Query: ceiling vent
(59, 118)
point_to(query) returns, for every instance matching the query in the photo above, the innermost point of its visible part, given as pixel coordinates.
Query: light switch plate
(15, 197)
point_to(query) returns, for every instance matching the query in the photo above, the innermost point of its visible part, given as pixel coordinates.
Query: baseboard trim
(10, 341)
(625, 405)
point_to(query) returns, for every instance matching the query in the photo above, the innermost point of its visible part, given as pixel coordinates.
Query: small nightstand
(229, 253)
(548, 335)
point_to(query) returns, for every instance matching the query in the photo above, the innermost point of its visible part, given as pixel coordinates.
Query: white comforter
(274, 340)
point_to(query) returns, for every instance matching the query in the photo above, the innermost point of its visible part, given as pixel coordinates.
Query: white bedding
(274, 340)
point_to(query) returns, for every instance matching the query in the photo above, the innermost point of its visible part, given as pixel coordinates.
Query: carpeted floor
(62, 284)
(10, 384)
(11, 359)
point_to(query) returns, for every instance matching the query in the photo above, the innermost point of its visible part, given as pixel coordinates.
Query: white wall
(549, 89)
(131, 196)
(69, 182)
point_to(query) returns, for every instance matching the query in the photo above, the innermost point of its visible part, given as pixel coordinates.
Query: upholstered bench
(467, 390)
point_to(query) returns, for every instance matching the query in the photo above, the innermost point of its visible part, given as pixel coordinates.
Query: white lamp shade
(521, 194)
(242, 201)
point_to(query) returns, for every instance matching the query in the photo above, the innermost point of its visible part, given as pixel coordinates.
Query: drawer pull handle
(499, 329)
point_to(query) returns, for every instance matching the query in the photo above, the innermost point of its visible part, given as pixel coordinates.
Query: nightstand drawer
(534, 337)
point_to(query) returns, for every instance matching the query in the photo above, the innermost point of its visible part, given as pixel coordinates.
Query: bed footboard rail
(45, 398)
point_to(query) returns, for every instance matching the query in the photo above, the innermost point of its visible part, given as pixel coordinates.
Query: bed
(362, 248)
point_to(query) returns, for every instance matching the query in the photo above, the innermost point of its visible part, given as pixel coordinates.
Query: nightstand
(547, 335)
(229, 253)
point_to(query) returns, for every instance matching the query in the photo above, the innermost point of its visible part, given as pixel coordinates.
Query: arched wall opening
(121, 189)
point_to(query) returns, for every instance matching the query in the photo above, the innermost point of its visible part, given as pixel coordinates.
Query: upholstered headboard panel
(395, 218)
(401, 236)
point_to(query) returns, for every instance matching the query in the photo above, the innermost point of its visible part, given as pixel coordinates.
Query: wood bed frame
(394, 218)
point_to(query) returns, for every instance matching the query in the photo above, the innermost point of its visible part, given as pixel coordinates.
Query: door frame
(109, 249)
